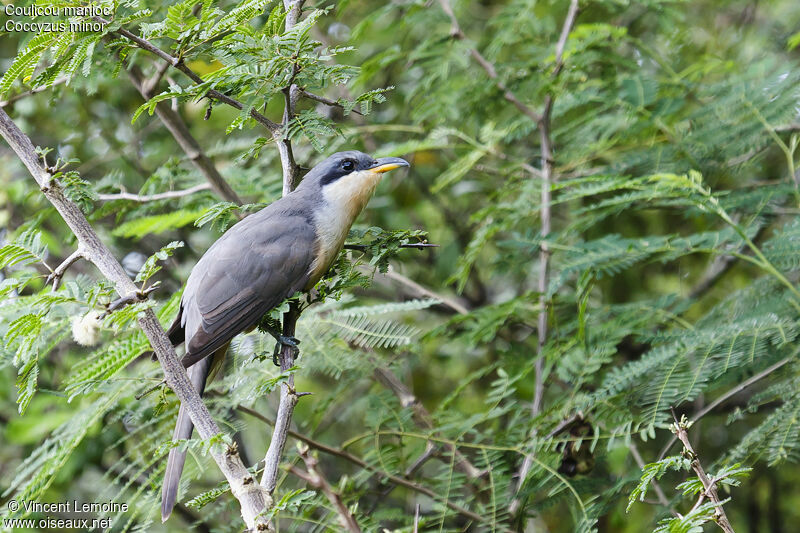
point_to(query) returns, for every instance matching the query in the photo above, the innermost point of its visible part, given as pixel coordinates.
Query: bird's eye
(348, 165)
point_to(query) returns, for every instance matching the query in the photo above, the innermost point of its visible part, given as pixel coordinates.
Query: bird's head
(348, 168)
(346, 180)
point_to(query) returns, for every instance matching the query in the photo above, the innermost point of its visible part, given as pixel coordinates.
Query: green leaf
(457, 170)
(27, 248)
(151, 266)
(155, 224)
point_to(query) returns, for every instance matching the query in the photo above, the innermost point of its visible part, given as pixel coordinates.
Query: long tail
(199, 373)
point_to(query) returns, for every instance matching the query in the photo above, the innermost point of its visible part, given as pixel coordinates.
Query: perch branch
(252, 499)
(314, 478)
(288, 395)
(288, 400)
(709, 485)
(153, 197)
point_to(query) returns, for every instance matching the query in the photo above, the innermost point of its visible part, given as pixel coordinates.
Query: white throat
(342, 202)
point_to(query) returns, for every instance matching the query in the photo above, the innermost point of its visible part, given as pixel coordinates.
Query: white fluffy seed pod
(86, 328)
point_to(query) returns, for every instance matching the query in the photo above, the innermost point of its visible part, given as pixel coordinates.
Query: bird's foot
(284, 340)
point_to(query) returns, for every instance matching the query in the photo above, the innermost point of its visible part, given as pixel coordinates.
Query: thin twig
(142, 198)
(380, 474)
(710, 486)
(487, 66)
(453, 304)
(252, 499)
(36, 90)
(326, 101)
(178, 64)
(58, 272)
(140, 295)
(314, 477)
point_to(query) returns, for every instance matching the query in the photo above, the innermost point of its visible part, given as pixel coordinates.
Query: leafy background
(675, 246)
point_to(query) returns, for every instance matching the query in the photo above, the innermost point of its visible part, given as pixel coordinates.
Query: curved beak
(385, 164)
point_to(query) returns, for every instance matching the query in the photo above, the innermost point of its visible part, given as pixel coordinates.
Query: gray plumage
(259, 262)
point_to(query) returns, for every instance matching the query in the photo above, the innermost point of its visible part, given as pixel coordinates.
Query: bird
(285, 248)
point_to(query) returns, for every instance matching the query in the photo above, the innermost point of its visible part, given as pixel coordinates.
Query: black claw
(284, 340)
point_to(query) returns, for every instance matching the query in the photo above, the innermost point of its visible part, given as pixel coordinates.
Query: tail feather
(183, 430)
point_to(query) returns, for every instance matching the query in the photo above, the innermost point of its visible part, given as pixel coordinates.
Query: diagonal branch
(252, 499)
(421, 415)
(178, 64)
(373, 470)
(314, 478)
(709, 485)
(327, 101)
(57, 273)
(491, 71)
(180, 131)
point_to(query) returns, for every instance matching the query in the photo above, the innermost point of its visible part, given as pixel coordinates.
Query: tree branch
(288, 396)
(57, 273)
(153, 197)
(252, 499)
(423, 291)
(288, 399)
(545, 217)
(180, 132)
(316, 479)
(36, 90)
(291, 94)
(380, 474)
(487, 66)
(178, 64)
(710, 485)
(327, 101)
(421, 415)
